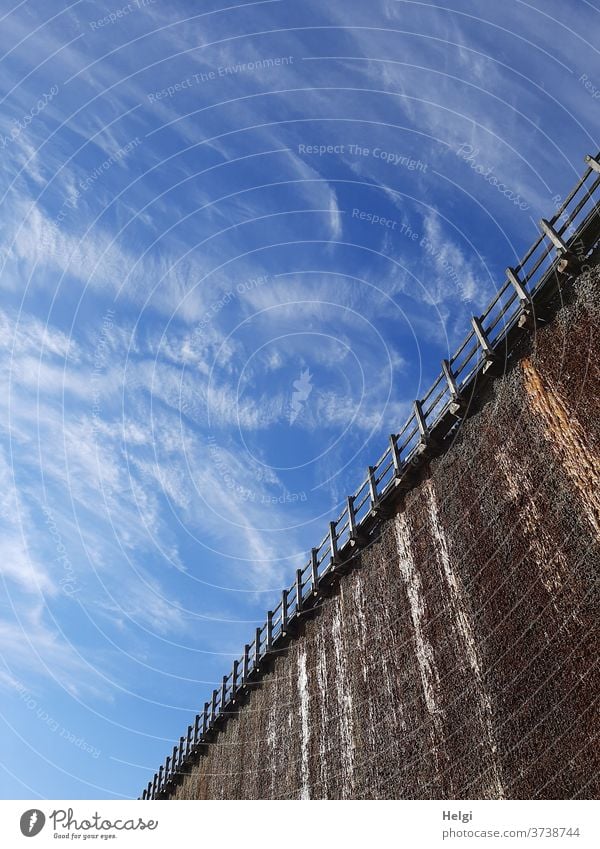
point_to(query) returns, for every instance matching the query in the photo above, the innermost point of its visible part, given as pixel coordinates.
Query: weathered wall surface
(459, 660)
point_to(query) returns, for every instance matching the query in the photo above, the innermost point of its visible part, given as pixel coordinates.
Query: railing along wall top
(560, 245)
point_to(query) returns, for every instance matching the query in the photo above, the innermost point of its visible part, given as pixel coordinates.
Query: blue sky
(236, 243)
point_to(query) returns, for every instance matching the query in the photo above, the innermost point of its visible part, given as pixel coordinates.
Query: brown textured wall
(459, 660)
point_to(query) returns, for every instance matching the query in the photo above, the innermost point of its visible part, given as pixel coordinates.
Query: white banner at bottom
(298, 825)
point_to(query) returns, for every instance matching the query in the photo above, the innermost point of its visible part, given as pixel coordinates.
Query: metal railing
(564, 242)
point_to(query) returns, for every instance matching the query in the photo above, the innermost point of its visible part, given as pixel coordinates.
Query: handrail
(476, 354)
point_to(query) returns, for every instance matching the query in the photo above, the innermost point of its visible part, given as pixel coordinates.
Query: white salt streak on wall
(424, 651)
(359, 613)
(388, 677)
(458, 600)
(304, 724)
(344, 699)
(357, 608)
(360, 606)
(324, 712)
(271, 734)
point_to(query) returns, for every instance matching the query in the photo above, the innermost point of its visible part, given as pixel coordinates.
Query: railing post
(488, 352)
(299, 599)
(174, 763)
(567, 258)
(245, 665)
(425, 439)
(167, 771)
(314, 570)
(188, 747)
(352, 528)
(159, 784)
(593, 163)
(205, 719)
(234, 679)
(269, 640)
(558, 242)
(522, 293)
(373, 489)
(421, 423)
(257, 648)
(213, 710)
(223, 693)
(333, 546)
(395, 455)
(523, 296)
(181, 752)
(451, 381)
(284, 612)
(197, 729)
